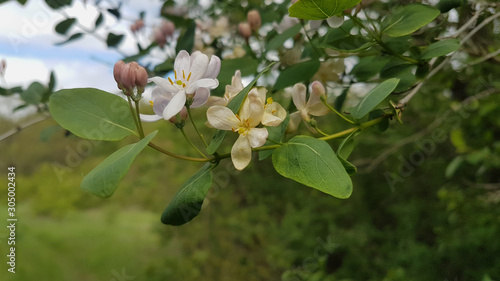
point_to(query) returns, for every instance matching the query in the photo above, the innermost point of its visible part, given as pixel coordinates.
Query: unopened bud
(160, 37)
(117, 70)
(318, 89)
(141, 78)
(253, 18)
(168, 28)
(180, 117)
(127, 78)
(138, 25)
(245, 30)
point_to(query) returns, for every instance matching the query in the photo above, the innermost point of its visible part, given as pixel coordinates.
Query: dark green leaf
(114, 39)
(63, 26)
(186, 40)
(339, 101)
(384, 124)
(296, 73)
(408, 19)
(275, 135)
(320, 9)
(115, 12)
(22, 2)
(98, 21)
(440, 48)
(92, 114)
(312, 162)
(374, 97)
(246, 65)
(56, 4)
(446, 5)
(350, 44)
(188, 200)
(278, 40)
(71, 38)
(103, 180)
(367, 67)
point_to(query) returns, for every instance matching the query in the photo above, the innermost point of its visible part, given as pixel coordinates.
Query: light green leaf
(408, 19)
(103, 180)
(374, 97)
(234, 105)
(92, 114)
(278, 40)
(187, 202)
(440, 48)
(344, 150)
(34, 93)
(320, 9)
(312, 162)
(296, 73)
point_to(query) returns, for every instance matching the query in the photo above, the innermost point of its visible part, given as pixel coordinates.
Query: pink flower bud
(183, 114)
(160, 37)
(141, 78)
(117, 70)
(318, 89)
(253, 18)
(168, 28)
(245, 30)
(127, 77)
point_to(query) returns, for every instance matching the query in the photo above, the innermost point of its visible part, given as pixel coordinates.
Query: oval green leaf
(296, 73)
(64, 26)
(114, 40)
(92, 114)
(320, 9)
(103, 180)
(408, 19)
(187, 202)
(374, 97)
(440, 48)
(312, 162)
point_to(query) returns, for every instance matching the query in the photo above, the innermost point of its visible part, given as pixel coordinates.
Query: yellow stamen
(183, 75)
(274, 111)
(189, 76)
(269, 100)
(183, 85)
(175, 72)
(170, 81)
(151, 102)
(241, 130)
(238, 117)
(178, 82)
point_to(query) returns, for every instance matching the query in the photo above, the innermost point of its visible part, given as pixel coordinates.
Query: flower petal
(315, 106)
(164, 83)
(203, 83)
(241, 153)
(200, 97)
(214, 100)
(252, 109)
(315, 24)
(182, 62)
(293, 124)
(274, 114)
(159, 104)
(175, 105)
(335, 22)
(257, 137)
(199, 64)
(222, 118)
(150, 118)
(299, 95)
(213, 68)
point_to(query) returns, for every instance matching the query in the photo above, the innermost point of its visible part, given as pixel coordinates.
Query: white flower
(333, 22)
(231, 91)
(253, 112)
(194, 77)
(285, 24)
(314, 105)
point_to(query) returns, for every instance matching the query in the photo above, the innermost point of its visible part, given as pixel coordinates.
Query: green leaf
(320, 9)
(453, 166)
(350, 44)
(275, 134)
(296, 73)
(440, 48)
(186, 40)
(92, 114)
(47, 132)
(64, 26)
(312, 162)
(22, 2)
(71, 38)
(374, 97)
(278, 40)
(114, 39)
(103, 180)
(344, 150)
(446, 5)
(384, 124)
(246, 65)
(34, 93)
(408, 19)
(367, 67)
(56, 4)
(98, 21)
(234, 105)
(187, 202)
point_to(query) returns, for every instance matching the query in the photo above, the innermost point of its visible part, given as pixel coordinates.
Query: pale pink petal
(299, 95)
(236, 80)
(214, 100)
(164, 83)
(198, 68)
(241, 153)
(257, 137)
(213, 68)
(150, 118)
(222, 118)
(335, 22)
(293, 124)
(202, 83)
(159, 104)
(274, 114)
(318, 109)
(200, 97)
(175, 105)
(182, 62)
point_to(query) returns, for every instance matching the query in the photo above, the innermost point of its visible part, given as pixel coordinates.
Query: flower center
(180, 82)
(244, 126)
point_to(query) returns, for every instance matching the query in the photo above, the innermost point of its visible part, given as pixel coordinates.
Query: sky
(27, 43)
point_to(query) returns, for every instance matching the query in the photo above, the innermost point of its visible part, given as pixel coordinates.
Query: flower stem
(360, 127)
(140, 129)
(190, 142)
(194, 125)
(323, 100)
(179, 156)
(134, 115)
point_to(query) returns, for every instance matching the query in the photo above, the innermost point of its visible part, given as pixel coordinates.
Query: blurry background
(425, 204)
